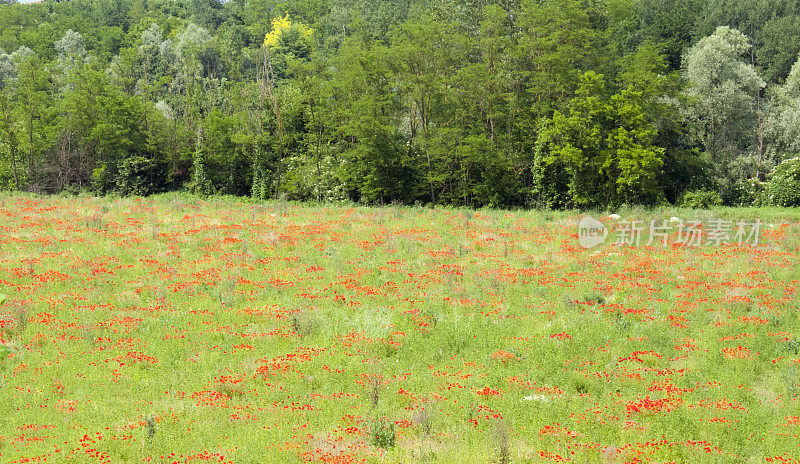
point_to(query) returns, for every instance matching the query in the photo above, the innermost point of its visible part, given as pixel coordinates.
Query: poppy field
(174, 329)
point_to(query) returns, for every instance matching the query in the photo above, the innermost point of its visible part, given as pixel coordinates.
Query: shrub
(102, 179)
(381, 434)
(741, 192)
(701, 199)
(783, 187)
(137, 176)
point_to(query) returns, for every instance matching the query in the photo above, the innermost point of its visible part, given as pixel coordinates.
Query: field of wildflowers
(178, 330)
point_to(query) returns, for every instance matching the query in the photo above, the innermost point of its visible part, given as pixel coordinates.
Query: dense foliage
(783, 189)
(556, 103)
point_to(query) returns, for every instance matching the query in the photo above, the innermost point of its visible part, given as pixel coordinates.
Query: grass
(178, 329)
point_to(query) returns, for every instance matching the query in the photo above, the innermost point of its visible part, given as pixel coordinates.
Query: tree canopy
(507, 103)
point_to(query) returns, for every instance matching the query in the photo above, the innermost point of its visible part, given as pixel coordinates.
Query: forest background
(517, 103)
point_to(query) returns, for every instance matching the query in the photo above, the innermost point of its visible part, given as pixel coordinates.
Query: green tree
(668, 22)
(724, 97)
(9, 123)
(557, 41)
(425, 52)
(772, 25)
(200, 183)
(376, 167)
(606, 144)
(71, 53)
(34, 104)
(783, 121)
(778, 48)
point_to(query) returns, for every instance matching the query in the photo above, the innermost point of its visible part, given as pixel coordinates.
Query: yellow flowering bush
(279, 25)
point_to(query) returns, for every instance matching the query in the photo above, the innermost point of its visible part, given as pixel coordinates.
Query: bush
(741, 192)
(701, 199)
(783, 187)
(138, 176)
(381, 434)
(102, 179)
(306, 180)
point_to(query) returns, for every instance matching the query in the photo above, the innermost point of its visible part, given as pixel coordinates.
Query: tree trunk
(317, 155)
(30, 147)
(269, 78)
(430, 173)
(760, 134)
(423, 117)
(13, 150)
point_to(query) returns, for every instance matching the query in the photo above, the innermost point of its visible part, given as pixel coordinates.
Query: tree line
(505, 103)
